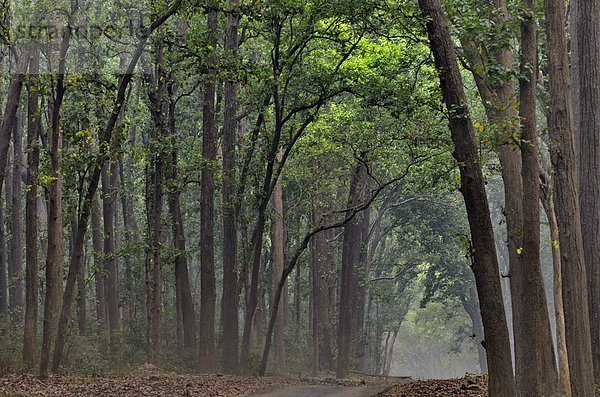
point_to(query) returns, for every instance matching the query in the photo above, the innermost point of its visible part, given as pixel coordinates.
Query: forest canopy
(391, 187)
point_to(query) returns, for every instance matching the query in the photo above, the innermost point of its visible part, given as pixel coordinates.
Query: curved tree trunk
(501, 380)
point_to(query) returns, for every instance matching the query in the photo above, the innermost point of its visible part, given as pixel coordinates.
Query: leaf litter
(148, 381)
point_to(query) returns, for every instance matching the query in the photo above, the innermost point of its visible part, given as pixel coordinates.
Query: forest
(300, 198)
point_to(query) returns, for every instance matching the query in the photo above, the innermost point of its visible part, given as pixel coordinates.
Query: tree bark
(82, 300)
(54, 257)
(101, 313)
(485, 267)
(585, 73)
(278, 262)
(322, 354)
(559, 314)
(34, 125)
(230, 297)
(389, 351)
(350, 256)
(131, 235)
(499, 101)
(473, 311)
(110, 262)
(6, 128)
(182, 280)
(10, 114)
(3, 267)
(154, 204)
(539, 376)
(15, 265)
(207, 249)
(566, 194)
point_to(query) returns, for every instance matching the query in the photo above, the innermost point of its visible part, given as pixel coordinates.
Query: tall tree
(348, 293)
(55, 255)
(207, 249)
(183, 292)
(585, 73)
(539, 374)
(501, 381)
(566, 194)
(15, 265)
(278, 265)
(6, 128)
(320, 262)
(106, 135)
(155, 179)
(230, 297)
(559, 313)
(109, 175)
(34, 125)
(97, 246)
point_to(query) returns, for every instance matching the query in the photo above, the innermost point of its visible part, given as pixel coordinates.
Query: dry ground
(469, 386)
(150, 382)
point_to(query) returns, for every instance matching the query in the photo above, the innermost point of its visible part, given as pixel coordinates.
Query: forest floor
(469, 386)
(149, 382)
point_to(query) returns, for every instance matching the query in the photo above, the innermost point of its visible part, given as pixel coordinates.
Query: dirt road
(324, 391)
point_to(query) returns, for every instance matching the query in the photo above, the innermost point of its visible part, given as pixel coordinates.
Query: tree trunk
(110, 263)
(8, 197)
(564, 161)
(132, 233)
(278, 262)
(6, 128)
(101, 313)
(207, 249)
(15, 265)
(499, 100)
(485, 267)
(182, 280)
(34, 125)
(154, 184)
(265, 195)
(230, 297)
(389, 351)
(539, 376)
(360, 285)
(470, 305)
(154, 204)
(585, 73)
(81, 300)
(559, 314)
(348, 293)
(322, 355)
(10, 114)
(3, 268)
(55, 255)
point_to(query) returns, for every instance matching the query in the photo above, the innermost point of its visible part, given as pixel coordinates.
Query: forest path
(325, 391)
